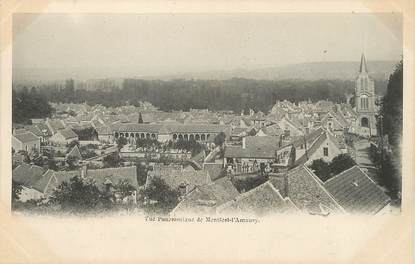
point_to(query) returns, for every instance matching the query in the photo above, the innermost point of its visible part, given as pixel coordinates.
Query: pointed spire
(363, 67)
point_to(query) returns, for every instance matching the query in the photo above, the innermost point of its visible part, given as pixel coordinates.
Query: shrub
(321, 169)
(341, 163)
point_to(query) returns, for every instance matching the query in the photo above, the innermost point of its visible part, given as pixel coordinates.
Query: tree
(389, 176)
(29, 104)
(353, 101)
(52, 164)
(262, 167)
(341, 163)
(391, 108)
(233, 94)
(39, 161)
(121, 142)
(252, 132)
(147, 143)
(111, 161)
(88, 133)
(124, 188)
(16, 191)
(26, 156)
(141, 172)
(188, 145)
(87, 151)
(219, 139)
(248, 183)
(160, 192)
(391, 125)
(321, 169)
(140, 119)
(72, 161)
(78, 195)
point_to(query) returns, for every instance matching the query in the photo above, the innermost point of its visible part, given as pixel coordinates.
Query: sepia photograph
(241, 114)
(206, 133)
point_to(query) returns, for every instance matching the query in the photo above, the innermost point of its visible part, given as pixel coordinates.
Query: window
(364, 103)
(325, 152)
(364, 122)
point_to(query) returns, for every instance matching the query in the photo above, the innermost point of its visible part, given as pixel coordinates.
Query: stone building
(365, 102)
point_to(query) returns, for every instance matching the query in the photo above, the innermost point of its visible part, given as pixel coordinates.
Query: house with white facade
(63, 137)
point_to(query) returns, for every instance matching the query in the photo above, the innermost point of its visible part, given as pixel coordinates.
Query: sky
(109, 45)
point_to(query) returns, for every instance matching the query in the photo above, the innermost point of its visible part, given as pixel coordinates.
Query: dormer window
(355, 183)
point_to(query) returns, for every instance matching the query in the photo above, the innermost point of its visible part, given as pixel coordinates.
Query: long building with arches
(165, 132)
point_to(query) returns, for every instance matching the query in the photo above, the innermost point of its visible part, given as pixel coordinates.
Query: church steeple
(365, 102)
(363, 67)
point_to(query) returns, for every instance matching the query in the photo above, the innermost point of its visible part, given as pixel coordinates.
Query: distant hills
(306, 71)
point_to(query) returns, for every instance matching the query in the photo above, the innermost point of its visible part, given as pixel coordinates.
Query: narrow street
(362, 158)
(362, 153)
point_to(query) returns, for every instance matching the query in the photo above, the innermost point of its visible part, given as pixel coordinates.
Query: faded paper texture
(286, 238)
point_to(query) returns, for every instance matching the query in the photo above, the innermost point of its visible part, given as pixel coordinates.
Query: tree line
(390, 124)
(83, 196)
(234, 94)
(29, 104)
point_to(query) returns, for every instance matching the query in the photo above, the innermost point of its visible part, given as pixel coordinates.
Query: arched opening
(153, 136)
(197, 137)
(131, 134)
(137, 135)
(121, 134)
(148, 135)
(203, 137)
(186, 136)
(116, 135)
(180, 136)
(192, 137)
(142, 135)
(174, 136)
(364, 122)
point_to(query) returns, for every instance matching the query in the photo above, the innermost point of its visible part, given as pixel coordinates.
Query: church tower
(365, 101)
